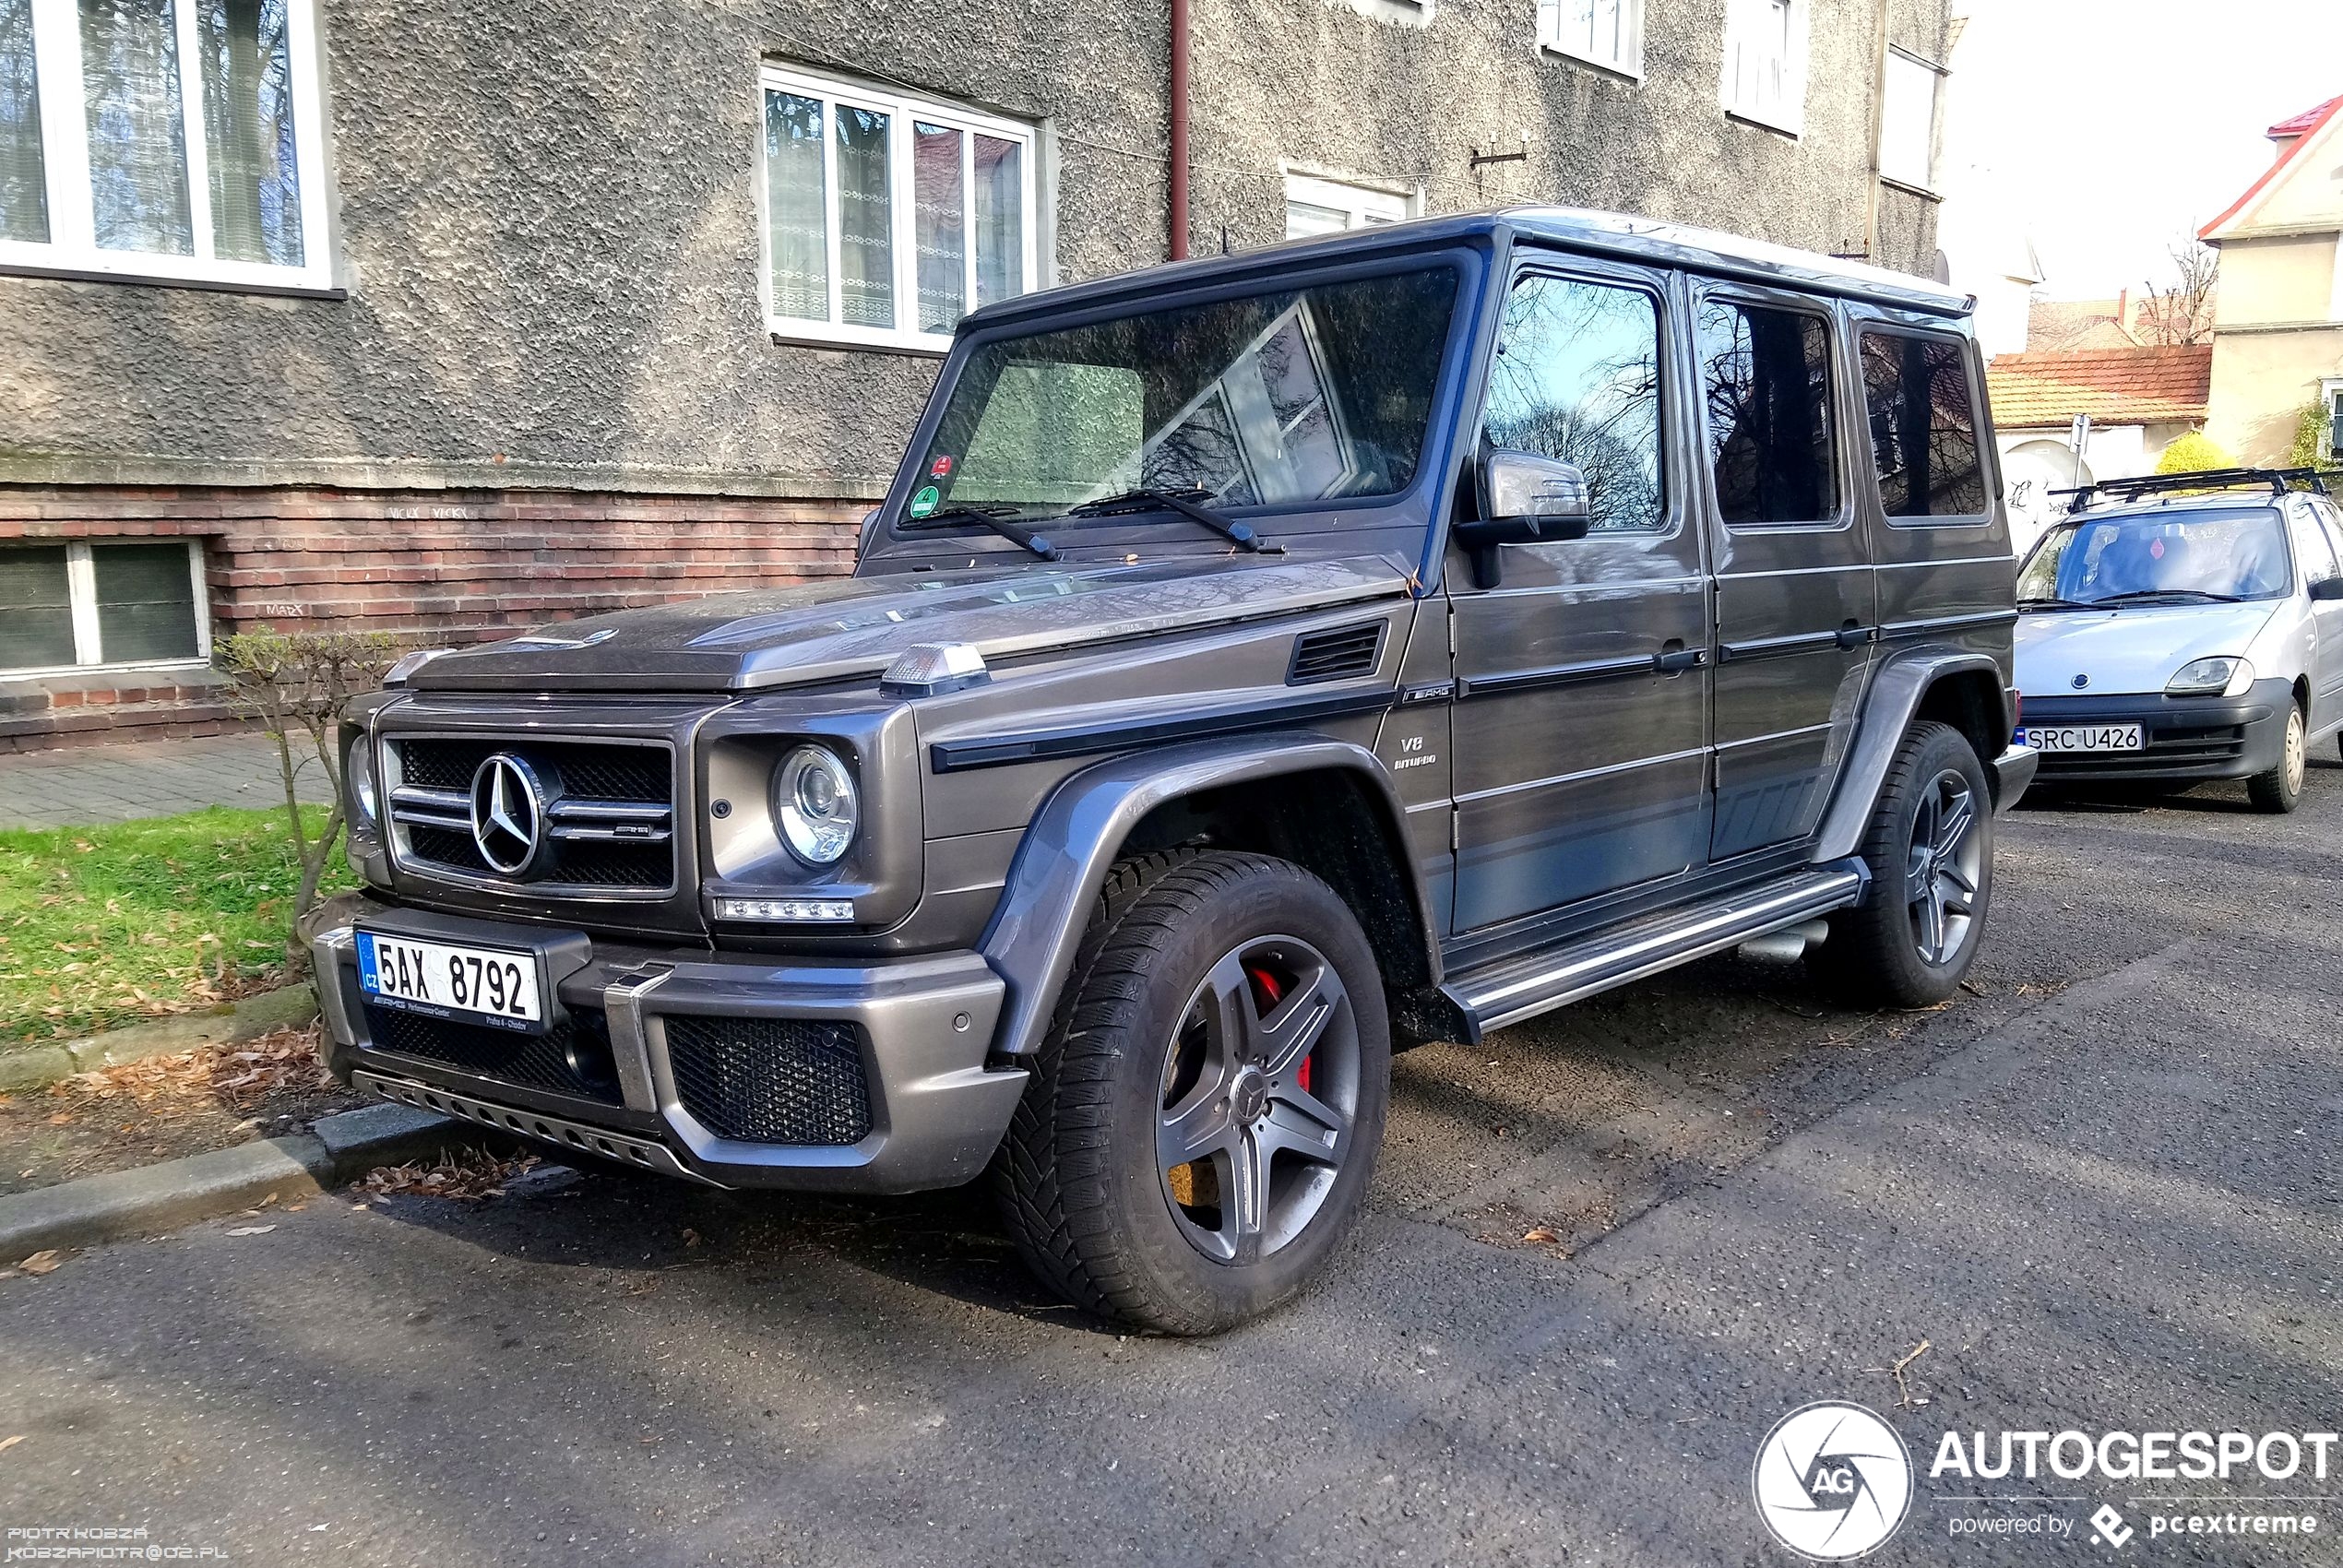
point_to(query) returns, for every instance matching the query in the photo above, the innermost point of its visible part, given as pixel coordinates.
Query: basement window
(887, 218)
(113, 604)
(163, 140)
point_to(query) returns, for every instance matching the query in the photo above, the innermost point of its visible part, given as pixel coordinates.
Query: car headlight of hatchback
(2222, 676)
(815, 805)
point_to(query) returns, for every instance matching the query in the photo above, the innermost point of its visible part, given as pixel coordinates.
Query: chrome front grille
(608, 815)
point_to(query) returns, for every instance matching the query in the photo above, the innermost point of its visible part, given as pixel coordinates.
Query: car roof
(2165, 506)
(1600, 234)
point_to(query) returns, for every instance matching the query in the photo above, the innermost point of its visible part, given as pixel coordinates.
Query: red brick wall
(433, 567)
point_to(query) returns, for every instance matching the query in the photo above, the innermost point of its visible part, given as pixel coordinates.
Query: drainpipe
(1179, 130)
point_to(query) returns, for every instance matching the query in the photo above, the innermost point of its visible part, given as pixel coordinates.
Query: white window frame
(1560, 37)
(1748, 25)
(900, 108)
(72, 245)
(1925, 180)
(1362, 203)
(2331, 403)
(81, 584)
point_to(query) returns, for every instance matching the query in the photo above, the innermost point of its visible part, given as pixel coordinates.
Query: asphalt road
(2102, 1188)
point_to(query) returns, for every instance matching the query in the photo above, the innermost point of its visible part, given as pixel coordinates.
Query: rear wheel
(1205, 1114)
(2281, 789)
(1930, 847)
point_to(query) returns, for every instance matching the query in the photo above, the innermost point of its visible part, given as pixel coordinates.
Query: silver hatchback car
(2185, 627)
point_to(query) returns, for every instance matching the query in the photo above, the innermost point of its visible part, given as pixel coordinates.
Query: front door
(2315, 531)
(1581, 722)
(1795, 599)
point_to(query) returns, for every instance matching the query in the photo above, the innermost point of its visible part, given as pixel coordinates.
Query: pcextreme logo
(1832, 1480)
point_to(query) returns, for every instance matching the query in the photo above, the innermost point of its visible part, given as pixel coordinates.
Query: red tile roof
(2112, 385)
(2310, 121)
(2301, 123)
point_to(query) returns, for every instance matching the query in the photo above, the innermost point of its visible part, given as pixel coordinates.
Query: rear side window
(1578, 379)
(1765, 377)
(1923, 415)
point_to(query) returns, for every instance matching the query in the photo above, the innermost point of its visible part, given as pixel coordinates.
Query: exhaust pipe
(1787, 946)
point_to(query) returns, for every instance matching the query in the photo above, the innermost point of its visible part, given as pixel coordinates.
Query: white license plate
(2084, 737)
(484, 985)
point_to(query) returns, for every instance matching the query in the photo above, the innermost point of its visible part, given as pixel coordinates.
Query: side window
(2332, 520)
(2312, 546)
(1921, 412)
(1765, 377)
(1577, 378)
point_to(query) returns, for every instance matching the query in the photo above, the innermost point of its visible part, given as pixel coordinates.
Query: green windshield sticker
(924, 502)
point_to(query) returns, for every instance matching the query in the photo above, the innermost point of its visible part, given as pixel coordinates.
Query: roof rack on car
(2277, 482)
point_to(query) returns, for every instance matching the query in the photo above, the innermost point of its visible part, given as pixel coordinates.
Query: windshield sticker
(2156, 548)
(940, 468)
(925, 501)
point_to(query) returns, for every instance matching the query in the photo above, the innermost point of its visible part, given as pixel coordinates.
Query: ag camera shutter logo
(1832, 1481)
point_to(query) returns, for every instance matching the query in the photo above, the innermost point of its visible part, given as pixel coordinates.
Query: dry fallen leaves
(237, 1075)
(1541, 1236)
(42, 1262)
(8, 1442)
(252, 1230)
(465, 1173)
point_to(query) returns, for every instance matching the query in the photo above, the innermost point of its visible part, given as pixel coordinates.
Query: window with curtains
(1764, 77)
(889, 218)
(1608, 33)
(102, 602)
(163, 139)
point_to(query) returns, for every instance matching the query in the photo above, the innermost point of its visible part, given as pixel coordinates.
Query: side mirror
(2327, 588)
(1525, 499)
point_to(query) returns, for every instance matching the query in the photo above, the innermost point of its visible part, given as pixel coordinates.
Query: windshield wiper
(2053, 603)
(1002, 520)
(2198, 595)
(1187, 502)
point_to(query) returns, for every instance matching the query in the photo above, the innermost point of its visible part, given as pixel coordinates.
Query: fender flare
(1896, 695)
(1080, 830)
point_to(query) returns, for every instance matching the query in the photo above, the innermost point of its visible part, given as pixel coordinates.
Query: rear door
(1795, 600)
(1580, 726)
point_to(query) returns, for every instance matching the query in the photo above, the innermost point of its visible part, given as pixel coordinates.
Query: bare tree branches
(2182, 311)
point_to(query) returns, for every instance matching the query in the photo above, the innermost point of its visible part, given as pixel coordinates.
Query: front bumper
(902, 1067)
(2181, 737)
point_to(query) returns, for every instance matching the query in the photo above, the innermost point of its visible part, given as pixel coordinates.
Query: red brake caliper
(1266, 983)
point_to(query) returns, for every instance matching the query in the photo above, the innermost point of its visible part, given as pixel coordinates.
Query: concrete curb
(156, 1198)
(32, 1067)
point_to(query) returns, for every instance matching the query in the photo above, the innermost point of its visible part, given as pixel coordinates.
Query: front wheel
(1930, 847)
(2281, 789)
(1205, 1113)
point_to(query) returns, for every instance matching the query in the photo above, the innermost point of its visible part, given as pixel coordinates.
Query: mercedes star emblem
(508, 813)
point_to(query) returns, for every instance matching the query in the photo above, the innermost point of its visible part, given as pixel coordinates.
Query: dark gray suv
(1257, 663)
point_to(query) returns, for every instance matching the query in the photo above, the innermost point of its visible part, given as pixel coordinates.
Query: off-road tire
(1077, 1180)
(2280, 790)
(1871, 958)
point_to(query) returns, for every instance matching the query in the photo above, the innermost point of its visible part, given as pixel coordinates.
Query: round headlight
(359, 774)
(815, 803)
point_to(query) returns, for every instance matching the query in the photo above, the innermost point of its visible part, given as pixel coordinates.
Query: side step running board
(1525, 985)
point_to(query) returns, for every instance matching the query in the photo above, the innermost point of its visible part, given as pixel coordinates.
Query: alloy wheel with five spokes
(1942, 867)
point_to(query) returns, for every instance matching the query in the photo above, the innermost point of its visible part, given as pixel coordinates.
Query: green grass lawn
(104, 926)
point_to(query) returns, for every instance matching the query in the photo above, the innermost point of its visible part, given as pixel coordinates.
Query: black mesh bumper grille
(771, 1080)
(573, 1058)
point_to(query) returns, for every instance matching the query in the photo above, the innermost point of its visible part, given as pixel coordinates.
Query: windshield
(2189, 556)
(1298, 395)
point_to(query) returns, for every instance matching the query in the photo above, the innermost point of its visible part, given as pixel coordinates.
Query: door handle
(1853, 635)
(1675, 658)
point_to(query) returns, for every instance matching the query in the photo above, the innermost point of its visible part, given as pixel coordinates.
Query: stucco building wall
(547, 252)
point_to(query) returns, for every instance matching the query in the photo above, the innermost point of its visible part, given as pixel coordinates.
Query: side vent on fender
(1335, 656)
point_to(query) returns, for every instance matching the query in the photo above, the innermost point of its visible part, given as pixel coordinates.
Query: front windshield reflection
(2193, 555)
(1289, 397)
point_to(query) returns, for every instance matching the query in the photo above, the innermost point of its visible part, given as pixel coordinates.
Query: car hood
(2124, 651)
(847, 627)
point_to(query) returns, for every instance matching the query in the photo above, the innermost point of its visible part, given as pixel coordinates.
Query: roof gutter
(1178, 95)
